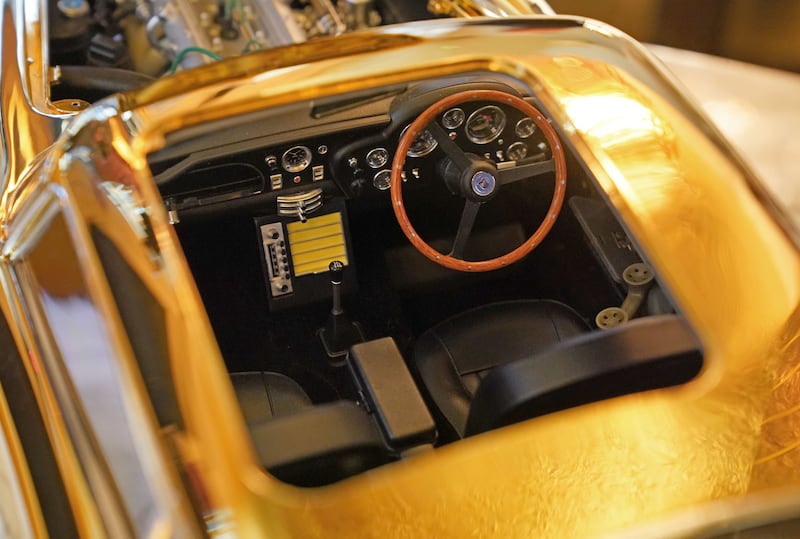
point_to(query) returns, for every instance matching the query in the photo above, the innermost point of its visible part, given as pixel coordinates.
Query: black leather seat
(305, 444)
(265, 395)
(455, 355)
(507, 362)
(646, 353)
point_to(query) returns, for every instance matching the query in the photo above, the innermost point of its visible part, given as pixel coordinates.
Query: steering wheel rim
(428, 116)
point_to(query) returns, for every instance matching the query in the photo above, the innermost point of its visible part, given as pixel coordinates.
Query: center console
(297, 247)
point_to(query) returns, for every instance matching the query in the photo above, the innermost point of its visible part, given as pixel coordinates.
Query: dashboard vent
(301, 204)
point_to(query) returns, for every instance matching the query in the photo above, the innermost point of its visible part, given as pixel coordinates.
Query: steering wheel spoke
(465, 225)
(450, 148)
(525, 171)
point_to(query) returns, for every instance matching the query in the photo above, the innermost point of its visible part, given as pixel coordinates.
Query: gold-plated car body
(74, 183)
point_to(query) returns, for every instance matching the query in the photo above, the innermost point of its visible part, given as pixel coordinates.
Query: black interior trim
(643, 354)
(145, 325)
(391, 394)
(32, 434)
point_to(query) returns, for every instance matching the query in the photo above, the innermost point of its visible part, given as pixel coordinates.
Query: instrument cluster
(492, 131)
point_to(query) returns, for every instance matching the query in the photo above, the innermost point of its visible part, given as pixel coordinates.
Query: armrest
(643, 354)
(391, 394)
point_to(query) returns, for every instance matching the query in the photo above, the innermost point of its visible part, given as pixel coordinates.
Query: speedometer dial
(485, 124)
(423, 144)
(296, 159)
(453, 118)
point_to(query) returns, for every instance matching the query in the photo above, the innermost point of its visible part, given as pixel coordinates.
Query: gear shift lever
(339, 333)
(337, 269)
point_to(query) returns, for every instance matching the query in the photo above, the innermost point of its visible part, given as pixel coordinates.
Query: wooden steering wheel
(477, 180)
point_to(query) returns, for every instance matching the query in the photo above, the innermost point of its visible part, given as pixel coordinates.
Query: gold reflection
(631, 131)
(778, 459)
(24, 133)
(616, 118)
(20, 511)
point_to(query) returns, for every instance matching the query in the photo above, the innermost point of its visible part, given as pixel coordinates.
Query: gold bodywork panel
(587, 471)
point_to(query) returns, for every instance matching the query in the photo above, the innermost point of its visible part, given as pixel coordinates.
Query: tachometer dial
(423, 144)
(453, 118)
(485, 124)
(382, 179)
(377, 157)
(517, 151)
(525, 128)
(296, 159)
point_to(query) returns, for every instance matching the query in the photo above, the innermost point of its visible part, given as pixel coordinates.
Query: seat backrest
(646, 353)
(320, 444)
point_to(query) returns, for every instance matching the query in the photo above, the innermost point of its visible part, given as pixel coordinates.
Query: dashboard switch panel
(277, 262)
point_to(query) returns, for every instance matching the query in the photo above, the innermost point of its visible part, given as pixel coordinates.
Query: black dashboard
(297, 171)
(348, 148)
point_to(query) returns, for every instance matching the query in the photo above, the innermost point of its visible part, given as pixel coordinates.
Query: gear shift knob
(336, 269)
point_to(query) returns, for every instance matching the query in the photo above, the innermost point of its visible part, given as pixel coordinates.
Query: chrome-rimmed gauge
(296, 159)
(382, 179)
(423, 144)
(377, 157)
(485, 124)
(517, 151)
(453, 118)
(525, 128)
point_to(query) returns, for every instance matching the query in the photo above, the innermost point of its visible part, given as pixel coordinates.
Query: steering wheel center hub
(483, 183)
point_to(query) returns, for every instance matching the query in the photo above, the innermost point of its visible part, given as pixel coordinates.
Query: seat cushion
(264, 395)
(453, 356)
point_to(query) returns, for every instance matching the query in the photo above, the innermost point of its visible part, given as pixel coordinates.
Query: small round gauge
(382, 179)
(423, 144)
(517, 151)
(485, 124)
(377, 157)
(296, 159)
(525, 128)
(453, 118)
